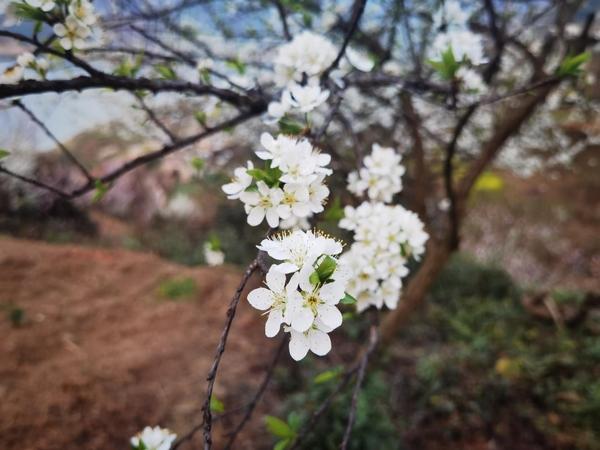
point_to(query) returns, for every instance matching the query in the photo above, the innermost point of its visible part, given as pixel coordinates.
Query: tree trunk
(436, 256)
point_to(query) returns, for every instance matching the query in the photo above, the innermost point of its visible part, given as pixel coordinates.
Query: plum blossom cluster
(289, 189)
(381, 176)
(27, 60)
(302, 290)
(452, 18)
(385, 236)
(298, 67)
(153, 439)
(77, 24)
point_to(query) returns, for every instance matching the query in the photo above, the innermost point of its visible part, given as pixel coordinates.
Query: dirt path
(102, 353)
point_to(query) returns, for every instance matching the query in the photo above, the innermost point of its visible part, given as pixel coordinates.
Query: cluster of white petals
(380, 177)
(453, 19)
(308, 54)
(289, 190)
(298, 67)
(27, 60)
(385, 236)
(302, 290)
(153, 439)
(77, 25)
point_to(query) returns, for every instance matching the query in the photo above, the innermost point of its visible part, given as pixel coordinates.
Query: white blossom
(307, 98)
(306, 303)
(83, 11)
(72, 33)
(241, 180)
(153, 439)
(12, 75)
(262, 203)
(381, 175)
(212, 256)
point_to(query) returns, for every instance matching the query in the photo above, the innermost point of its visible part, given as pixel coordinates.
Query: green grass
(178, 288)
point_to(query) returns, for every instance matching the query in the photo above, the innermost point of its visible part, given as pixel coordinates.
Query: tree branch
(373, 337)
(357, 11)
(51, 135)
(212, 374)
(258, 395)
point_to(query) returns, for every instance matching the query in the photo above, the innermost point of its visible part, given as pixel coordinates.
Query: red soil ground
(101, 353)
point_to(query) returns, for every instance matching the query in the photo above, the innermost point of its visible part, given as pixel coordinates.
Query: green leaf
(282, 445)
(4, 153)
(294, 420)
(24, 11)
(200, 117)
(278, 427)
(328, 375)
(269, 175)
(326, 268)
(216, 405)
(348, 300)
(448, 66)
(335, 211)
(165, 72)
(288, 126)
(237, 65)
(101, 190)
(205, 75)
(571, 65)
(197, 163)
(38, 27)
(314, 278)
(215, 242)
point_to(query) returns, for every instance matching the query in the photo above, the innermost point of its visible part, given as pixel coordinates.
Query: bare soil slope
(102, 353)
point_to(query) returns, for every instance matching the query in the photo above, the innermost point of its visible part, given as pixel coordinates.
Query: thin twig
(283, 17)
(257, 396)
(373, 336)
(357, 11)
(212, 374)
(152, 116)
(449, 176)
(51, 135)
(34, 182)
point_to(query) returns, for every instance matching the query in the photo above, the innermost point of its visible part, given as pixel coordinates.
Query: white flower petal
(329, 315)
(260, 298)
(256, 216)
(298, 346)
(302, 319)
(273, 323)
(275, 280)
(320, 343)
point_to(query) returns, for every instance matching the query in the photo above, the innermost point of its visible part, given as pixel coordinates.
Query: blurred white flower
(72, 33)
(153, 439)
(241, 180)
(307, 98)
(212, 256)
(44, 5)
(12, 75)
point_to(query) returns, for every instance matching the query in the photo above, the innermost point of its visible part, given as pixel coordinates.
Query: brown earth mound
(102, 351)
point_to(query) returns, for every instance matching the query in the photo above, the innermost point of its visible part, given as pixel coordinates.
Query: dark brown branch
(166, 150)
(152, 116)
(283, 17)
(449, 177)
(81, 83)
(373, 337)
(51, 135)
(258, 395)
(212, 374)
(34, 182)
(357, 11)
